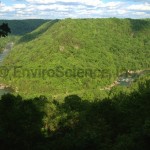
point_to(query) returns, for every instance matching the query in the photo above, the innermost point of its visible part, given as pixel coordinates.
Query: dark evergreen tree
(4, 30)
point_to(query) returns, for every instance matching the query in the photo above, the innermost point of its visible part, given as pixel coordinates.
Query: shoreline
(4, 86)
(128, 72)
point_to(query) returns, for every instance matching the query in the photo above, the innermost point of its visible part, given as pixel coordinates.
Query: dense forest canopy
(58, 104)
(122, 122)
(20, 27)
(109, 46)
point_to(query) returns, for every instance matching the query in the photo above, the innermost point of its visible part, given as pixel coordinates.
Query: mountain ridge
(109, 45)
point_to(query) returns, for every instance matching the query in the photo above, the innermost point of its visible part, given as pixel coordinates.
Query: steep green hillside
(20, 27)
(78, 56)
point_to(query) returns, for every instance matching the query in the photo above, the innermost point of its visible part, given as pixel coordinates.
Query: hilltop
(70, 49)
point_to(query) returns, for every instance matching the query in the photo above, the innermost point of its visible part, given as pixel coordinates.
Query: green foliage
(20, 123)
(77, 114)
(20, 27)
(109, 46)
(5, 40)
(4, 30)
(122, 122)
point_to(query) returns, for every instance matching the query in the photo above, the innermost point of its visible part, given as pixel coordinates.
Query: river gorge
(124, 79)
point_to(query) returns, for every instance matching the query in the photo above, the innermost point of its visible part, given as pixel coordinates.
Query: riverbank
(124, 77)
(7, 49)
(3, 86)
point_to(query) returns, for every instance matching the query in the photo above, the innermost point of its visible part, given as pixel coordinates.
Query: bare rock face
(61, 48)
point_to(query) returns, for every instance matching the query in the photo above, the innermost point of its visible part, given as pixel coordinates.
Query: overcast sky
(51, 9)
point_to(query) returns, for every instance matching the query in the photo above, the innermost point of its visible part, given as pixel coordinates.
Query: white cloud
(85, 2)
(148, 1)
(74, 8)
(4, 8)
(113, 4)
(143, 7)
(51, 7)
(19, 6)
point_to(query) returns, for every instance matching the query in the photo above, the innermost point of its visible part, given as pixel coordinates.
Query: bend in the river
(3, 88)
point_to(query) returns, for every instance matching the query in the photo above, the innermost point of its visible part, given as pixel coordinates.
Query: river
(127, 78)
(2, 56)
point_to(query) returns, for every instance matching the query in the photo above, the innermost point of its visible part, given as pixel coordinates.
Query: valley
(75, 84)
(68, 44)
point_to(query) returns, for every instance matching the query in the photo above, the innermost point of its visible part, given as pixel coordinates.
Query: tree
(4, 30)
(20, 123)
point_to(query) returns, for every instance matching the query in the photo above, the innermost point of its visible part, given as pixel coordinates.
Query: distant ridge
(20, 27)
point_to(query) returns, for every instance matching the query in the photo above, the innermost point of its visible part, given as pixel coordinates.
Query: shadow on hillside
(139, 24)
(35, 34)
(111, 124)
(20, 123)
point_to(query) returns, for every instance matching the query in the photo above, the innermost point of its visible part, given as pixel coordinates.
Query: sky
(60, 9)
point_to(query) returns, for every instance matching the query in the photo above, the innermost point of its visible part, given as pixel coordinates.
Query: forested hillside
(20, 27)
(119, 123)
(78, 56)
(61, 72)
